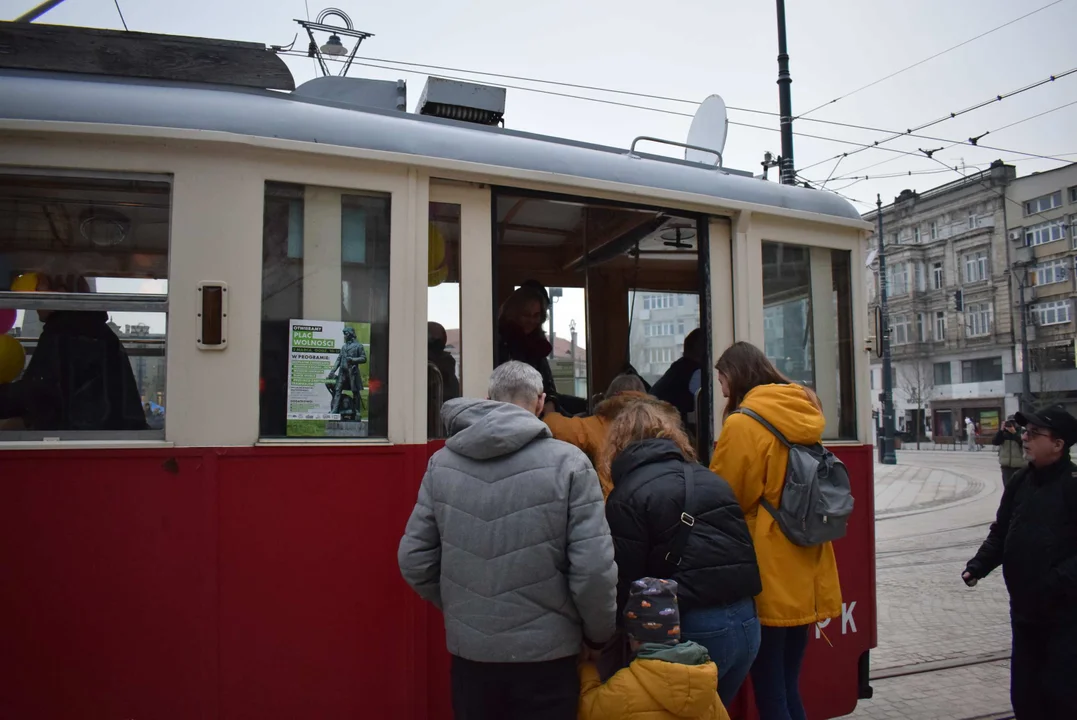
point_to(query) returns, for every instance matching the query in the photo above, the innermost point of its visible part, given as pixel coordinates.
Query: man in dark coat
(1034, 538)
(673, 387)
(79, 376)
(436, 341)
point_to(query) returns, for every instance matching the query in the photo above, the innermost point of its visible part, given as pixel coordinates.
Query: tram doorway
(625, 286)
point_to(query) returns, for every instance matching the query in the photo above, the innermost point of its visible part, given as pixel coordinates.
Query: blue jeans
(776, 673)
(731, 636)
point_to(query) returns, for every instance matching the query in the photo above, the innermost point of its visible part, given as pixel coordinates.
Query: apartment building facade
(951, 329)
(1042, 231)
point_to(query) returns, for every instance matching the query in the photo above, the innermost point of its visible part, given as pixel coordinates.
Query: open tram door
(635, 279)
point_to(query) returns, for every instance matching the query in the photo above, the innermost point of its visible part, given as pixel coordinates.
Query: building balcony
(970, 391)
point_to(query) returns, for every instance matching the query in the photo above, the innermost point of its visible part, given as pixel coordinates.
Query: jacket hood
(486, 429)
(644, 452)
(790, 408)
(681, 679)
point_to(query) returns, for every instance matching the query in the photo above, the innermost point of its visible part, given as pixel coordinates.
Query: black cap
(1055, 419)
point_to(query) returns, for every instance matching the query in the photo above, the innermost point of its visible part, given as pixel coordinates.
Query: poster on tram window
(328, 374)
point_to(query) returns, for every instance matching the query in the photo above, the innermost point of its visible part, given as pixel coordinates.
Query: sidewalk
(906, 489)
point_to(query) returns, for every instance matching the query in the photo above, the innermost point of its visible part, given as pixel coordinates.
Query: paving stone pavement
(933, 511)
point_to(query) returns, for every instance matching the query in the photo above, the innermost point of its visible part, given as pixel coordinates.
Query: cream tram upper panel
(31, 96)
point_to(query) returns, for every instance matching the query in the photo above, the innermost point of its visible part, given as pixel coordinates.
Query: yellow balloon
(12, 358)
(438, 268)
(26, 282)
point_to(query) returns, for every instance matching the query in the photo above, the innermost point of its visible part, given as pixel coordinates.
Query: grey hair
(515, 382)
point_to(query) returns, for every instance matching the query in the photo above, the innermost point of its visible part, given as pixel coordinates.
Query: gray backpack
(817, 499)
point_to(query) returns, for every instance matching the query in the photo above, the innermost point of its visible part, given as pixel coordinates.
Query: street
(943, 647)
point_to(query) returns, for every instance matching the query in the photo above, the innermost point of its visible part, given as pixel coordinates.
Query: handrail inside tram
(131, 302)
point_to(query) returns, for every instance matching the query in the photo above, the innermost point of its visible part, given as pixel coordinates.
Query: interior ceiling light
(676, 236)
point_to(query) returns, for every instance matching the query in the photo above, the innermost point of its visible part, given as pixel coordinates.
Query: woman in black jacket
(708, 551)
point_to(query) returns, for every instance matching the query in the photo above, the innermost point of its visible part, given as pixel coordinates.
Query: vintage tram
(233, 555)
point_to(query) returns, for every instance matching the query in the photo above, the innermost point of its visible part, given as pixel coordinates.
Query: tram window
(83, 306)
(659, 322)
(807, 324)
(325, 313)
(444, 341)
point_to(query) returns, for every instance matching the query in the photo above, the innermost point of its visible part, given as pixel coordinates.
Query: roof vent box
(468, 102)
(360, 92)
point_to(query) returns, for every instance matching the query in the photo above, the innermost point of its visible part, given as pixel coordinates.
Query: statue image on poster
(328, 379)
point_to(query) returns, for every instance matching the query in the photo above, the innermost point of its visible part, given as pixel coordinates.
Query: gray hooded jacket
(509, 539)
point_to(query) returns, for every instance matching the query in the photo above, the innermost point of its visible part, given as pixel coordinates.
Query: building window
(940, 326)
(972, 220)
(95, 361)
(921, 277)
(921, 327)
(916, 234)
(976, 267)
(942, 373)
(1051, 271)
(808, 328)
(897, 279)
(977, 319)
(1073, 194)
(325, 343)
(1052, 313)
(901, 330)
(981, 370)
(1073, 230)
(1045, 233)
(936, 276)
(680, 324)
(934, 229)
(1044, 203)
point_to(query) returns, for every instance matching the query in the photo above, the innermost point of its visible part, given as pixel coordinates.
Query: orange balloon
(27, 282)
(12, 358)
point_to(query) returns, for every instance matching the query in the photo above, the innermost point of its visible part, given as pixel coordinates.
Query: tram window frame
(833, 267)
(314, 209)
(121, 205)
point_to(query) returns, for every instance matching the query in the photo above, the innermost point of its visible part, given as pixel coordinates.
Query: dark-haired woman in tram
(800, 584)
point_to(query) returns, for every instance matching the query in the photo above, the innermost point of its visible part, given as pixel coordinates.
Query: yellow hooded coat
(655, 689)
(800, 584)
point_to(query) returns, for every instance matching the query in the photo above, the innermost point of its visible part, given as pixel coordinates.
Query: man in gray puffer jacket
(509, 539)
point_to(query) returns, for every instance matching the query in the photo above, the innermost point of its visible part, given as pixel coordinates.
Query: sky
(690, 49)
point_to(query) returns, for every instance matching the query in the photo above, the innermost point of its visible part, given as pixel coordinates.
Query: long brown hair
(643, 417)
(745, 367)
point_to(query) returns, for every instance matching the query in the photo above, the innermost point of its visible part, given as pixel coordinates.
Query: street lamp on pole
(886, 442)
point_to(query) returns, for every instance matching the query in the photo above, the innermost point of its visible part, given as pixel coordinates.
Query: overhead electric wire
(1058, 157)
(958, 113)
(121, 15)
(928, 59)
(369, 62)
(859, 145)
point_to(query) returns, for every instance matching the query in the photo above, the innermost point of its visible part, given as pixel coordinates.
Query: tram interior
(635, 272)
(98, 238)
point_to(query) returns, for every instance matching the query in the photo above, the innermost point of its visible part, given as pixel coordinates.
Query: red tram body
(217, 568)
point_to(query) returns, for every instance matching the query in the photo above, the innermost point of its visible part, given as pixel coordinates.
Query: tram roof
(45, 96)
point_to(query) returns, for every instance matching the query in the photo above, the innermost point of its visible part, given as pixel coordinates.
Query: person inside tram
(656, 479)
(436, 341)
(79, 376)
(800, 584)
(589, 433)
(674, 386)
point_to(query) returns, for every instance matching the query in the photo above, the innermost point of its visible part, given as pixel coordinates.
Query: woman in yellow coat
(800, 584)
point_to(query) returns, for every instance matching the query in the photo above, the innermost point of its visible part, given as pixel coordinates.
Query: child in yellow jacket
(667, 680)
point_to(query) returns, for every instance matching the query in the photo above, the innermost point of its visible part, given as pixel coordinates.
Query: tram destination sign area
(328, 376)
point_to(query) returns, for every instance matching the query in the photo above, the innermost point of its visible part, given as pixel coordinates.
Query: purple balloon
(7, 319)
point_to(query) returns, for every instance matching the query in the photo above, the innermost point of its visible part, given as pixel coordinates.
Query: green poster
(328, 378)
